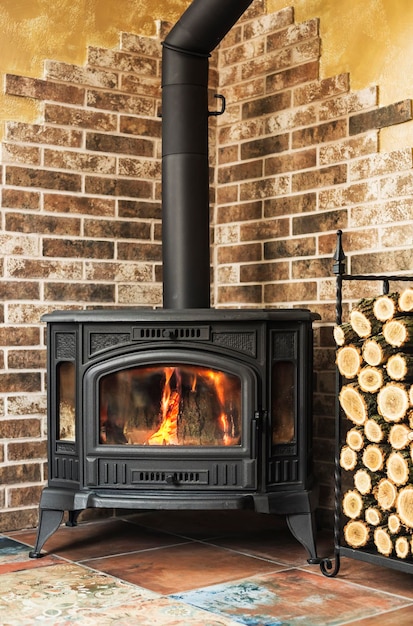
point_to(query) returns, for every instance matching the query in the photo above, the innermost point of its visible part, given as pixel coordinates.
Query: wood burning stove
(186, 406)
(195, 409)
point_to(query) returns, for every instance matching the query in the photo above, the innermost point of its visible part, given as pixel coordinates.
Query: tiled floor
(191, 568)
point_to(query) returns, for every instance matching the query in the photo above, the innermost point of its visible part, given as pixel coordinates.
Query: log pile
(375, 359)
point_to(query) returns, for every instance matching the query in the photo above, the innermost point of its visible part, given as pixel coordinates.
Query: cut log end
(356, 533)
(383, 541)
(385, 494)
(349, 361)
(406, 300)
(385, 307)
(404, 505)
(352, 504)
(393, 402)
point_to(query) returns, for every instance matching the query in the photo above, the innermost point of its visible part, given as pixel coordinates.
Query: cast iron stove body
(163, 409)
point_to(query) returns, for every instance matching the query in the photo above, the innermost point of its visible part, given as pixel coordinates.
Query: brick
(381, 117)
(264, 229)
(291, 162)
(143, 252)
(246, 90)
(68, 160)
(239, 131)
(264, 272)
(243, 253)
(396, 236)
(137, 84)
(352, 194)
(25, 496)
(140, 168)
(242, 171)
(78, 249)
(139, 126)
(382, 213)
(265, 188)
(119, 187)
(27, 313)
(42, 224)
(121, 61)
(349, 103)
(240, 294)
(141, 294)
(25, 177)
(396, 186)
(140, 210)
(292, 204)
(19, 290)
(287, 248)
(112, 101)
(328, 220)
(321, 89)
(311, 268)
(290, 119)
(20, 473)
(247, 50)
(228, 154)
(347, 149)
(365, 239)
(12, 153)
(330, 131)
(90, 76)
(25, 406)
(43, 89)
(291, 77)
(20, 244)
(119, 145)
(322, 177)
(20, 199)
(119, 272)
(78, 292)
(79, 118)
(117, 229)
(239, 212)
(266, 105)
(381, 164)
(145, 46)
(16, 336)
(293, 34)
(268, 23)
(64, 203)
(299, 291)
(382, 262)
(36, 133)
(27, 359)
(18, 519)
(281, 59)
(27, 382)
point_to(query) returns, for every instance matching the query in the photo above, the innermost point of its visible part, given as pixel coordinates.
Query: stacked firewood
(375, 358)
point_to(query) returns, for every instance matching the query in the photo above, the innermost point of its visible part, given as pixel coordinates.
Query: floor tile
(290, 598)
(98, 539)
(401, 617)
(178, 568)
(374, 576)
(70, 594)
(14, 556)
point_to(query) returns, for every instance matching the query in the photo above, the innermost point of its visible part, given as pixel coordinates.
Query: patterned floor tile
(291, 597)
(14, 556)
(68, 594)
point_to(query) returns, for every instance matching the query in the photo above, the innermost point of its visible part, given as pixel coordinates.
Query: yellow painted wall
(370, 39)
(35, 30)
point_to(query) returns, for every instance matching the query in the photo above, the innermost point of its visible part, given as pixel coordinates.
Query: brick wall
(294, 158)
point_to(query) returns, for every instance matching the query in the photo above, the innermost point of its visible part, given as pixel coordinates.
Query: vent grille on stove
(200, 333)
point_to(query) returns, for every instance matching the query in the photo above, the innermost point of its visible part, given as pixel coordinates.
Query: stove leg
(302, 527)
(49, 522)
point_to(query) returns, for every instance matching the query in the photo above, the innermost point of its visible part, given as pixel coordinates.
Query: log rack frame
(330, 567)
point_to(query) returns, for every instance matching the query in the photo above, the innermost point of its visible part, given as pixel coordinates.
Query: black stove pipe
(185, 167)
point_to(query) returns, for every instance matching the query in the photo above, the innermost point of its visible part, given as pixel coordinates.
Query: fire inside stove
(170, 405)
